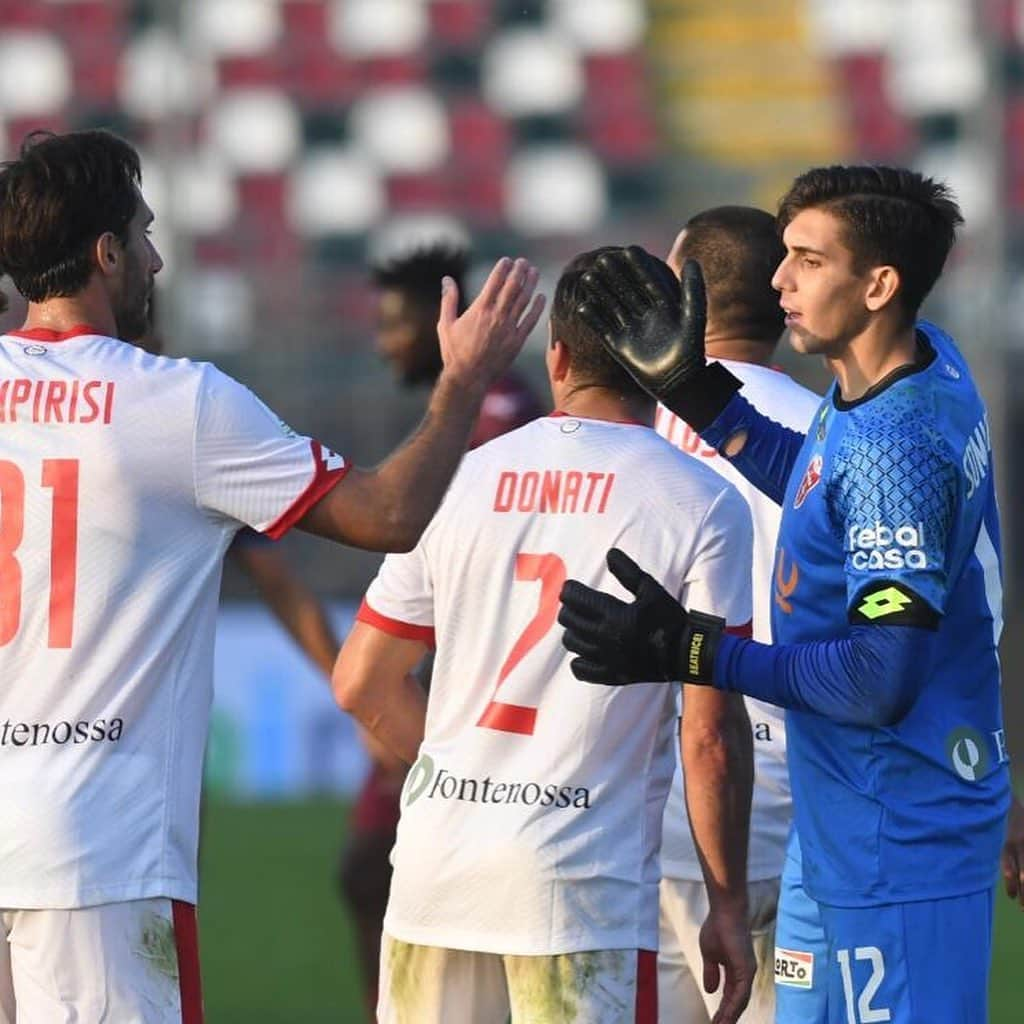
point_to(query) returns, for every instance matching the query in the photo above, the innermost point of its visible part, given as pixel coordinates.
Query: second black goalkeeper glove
(651, 638)
(632, 301)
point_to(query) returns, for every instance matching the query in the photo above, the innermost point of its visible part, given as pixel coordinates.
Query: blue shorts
(801, 953)
(907, 963)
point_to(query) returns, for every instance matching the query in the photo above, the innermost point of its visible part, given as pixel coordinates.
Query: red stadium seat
(479, 136)
(407, 69)
(304, 21)
(411, 192)
(267, 69)
(478, 194)
(878, 128)
(316, 74)
(460, 24)
(616, 112)
(27, 14)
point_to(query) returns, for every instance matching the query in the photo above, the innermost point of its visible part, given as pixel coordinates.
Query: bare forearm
(388, 507)
(718, 767)
(395, 720)
(294, 605)
(308, 626)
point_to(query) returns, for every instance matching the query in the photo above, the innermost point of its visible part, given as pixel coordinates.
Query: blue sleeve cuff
(870, 677)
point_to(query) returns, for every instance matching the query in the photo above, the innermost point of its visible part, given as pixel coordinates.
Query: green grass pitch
(277, 948)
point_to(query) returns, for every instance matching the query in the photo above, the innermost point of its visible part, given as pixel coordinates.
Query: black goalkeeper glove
(652, 638)
(632, 301)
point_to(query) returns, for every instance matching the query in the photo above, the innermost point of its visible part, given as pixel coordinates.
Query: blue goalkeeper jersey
(889, 518)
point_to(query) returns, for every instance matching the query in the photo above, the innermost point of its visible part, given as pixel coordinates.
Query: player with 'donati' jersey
(531, 818)
(548, 791)
(123, 478)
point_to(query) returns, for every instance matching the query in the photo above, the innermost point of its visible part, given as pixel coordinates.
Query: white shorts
(431, 985)
(681, 995)
(119, 963)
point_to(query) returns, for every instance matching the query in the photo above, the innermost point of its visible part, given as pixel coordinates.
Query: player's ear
(558, 360)
(883, 284)
(107, 253)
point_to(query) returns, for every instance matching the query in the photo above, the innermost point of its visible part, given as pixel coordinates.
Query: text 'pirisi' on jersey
(24, 400)
(123, 478)
(531, 821)
(890, 520)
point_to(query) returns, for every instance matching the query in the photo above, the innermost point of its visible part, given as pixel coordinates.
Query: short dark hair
(419, 272)
(592, 363)
(738, 249)
(891, 216)
(60, 195)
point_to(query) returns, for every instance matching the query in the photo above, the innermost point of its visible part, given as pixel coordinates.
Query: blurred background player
(408, 293)
(738, 249)
(526, 860)
(408, 303)
(887, 638)
(122, 484)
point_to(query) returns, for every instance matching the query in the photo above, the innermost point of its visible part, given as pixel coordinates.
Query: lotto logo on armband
(794, 968)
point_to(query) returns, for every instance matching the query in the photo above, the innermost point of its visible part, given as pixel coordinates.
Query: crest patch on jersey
(811, 479)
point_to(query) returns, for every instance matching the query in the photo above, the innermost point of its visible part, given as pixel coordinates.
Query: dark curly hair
(56, 199)
(890, 216)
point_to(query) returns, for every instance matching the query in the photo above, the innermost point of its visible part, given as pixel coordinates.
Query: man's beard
(132, 318)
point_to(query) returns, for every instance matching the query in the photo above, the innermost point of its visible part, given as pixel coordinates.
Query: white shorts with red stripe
(431, 985)
(135, 962)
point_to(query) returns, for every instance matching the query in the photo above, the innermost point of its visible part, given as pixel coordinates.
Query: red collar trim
(559, 413)
(45, 334)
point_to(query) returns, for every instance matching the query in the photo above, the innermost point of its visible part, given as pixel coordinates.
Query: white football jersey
(531, 821)
(123, 478)
(780, 397)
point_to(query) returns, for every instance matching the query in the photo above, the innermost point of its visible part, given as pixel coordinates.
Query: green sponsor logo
(883, 602)
(418, 779)
(968, 753)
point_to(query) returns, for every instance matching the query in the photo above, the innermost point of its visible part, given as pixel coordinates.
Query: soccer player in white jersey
(738, 249)
(123, 478)
(526, 864)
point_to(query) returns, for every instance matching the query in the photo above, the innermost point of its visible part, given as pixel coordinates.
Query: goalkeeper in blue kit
(886, 606)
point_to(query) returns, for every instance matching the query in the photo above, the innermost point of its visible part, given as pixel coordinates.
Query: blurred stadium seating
(286, 141)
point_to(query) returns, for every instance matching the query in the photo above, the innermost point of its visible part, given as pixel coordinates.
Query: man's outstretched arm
(293, 603)
(870, 677)
(387, 508)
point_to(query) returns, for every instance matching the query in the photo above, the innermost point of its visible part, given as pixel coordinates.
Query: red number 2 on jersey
(550, 570)
(60, 476)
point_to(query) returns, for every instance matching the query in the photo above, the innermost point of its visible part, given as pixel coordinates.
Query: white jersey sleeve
(718, 582)
(251, 467)
(400, 600)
